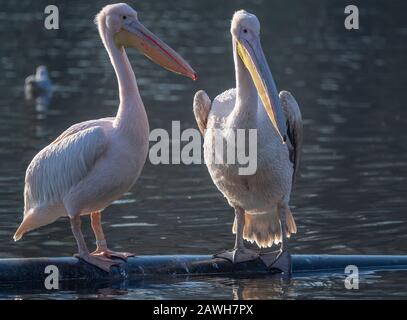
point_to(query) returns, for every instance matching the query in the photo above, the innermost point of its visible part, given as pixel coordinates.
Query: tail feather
(291, 225)
(24, 227)
(265, 229)
(33, 219)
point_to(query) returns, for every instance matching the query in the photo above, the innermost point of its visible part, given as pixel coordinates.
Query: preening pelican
(94, 162)
(260, 201)
(38, 87)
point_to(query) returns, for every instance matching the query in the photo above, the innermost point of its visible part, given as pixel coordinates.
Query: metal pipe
(70, 268)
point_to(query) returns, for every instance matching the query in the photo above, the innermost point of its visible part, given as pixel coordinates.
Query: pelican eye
(245, 30)
(124, 17)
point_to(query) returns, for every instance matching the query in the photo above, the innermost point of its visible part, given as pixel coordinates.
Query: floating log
(31, 270)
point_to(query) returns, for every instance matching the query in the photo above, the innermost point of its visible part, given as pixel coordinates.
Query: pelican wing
(62, 164)
(222, 107)
(293, 117)
(202, 107)
(83, 126)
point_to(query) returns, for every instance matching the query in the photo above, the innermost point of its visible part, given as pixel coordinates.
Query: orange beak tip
(194, 76)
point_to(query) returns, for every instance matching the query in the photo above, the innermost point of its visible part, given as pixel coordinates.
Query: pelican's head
(245, 31)
(121, 21)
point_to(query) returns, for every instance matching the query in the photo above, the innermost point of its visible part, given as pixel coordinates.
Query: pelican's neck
(245, 111)
(131, 106)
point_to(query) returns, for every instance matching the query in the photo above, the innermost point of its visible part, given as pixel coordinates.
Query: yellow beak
(253, 58)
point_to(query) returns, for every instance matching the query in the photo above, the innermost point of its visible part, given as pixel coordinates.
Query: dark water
(383, 285)
(351, 86)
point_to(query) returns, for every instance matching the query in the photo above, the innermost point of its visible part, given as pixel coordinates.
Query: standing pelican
(262, 214)
(94, 162)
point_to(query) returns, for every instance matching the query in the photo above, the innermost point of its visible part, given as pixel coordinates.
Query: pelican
(261, 200)
(38, 87)
(93, 163)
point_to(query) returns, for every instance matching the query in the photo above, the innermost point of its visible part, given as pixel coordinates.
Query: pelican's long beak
(253, 58)
(134, 34)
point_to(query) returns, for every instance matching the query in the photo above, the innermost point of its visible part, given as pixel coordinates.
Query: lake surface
(351, 87)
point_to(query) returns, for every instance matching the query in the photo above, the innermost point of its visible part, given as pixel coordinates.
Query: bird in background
(38, 88)
(260, 200)
(93, 163)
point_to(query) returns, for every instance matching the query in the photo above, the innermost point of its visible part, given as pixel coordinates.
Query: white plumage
(272, 181)
(88, 145)
(94, 162)
(260, 200)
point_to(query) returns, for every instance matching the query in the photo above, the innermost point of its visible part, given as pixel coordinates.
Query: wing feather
(202, 107)
(77, 127)
(293, 117)
(222, 106)
(61, 165)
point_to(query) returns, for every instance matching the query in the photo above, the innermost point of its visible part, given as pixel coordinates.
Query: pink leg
(100, 262)
(101, 245)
